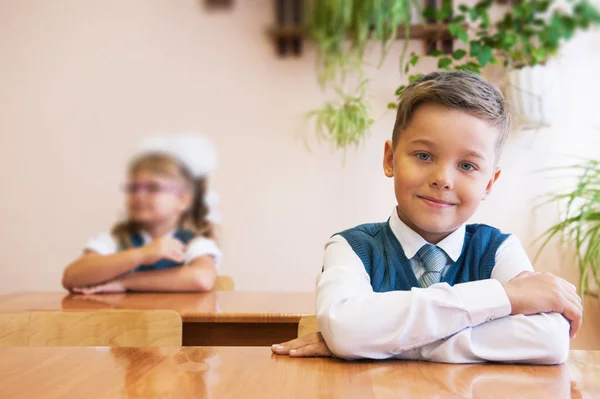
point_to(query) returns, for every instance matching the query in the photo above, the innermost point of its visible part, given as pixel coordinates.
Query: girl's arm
(92, 268)
(197, 276)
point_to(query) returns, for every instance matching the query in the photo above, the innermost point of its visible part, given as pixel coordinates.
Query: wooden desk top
(225, 372)
(218, 306)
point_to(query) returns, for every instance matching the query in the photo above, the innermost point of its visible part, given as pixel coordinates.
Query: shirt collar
(411, 241)
(147, 238)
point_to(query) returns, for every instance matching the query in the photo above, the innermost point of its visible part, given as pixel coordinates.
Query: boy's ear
(388, 159)
(492, 181)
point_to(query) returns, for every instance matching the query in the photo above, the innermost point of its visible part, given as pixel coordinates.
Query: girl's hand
(110, 287)
(163, 248)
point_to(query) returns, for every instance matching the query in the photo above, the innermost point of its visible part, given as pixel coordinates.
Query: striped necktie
(434, 259)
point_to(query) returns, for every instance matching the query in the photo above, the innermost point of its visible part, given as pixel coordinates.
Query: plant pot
(533, 94)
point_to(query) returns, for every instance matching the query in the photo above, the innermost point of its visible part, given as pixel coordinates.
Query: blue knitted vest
(137, 241)
(390, 270)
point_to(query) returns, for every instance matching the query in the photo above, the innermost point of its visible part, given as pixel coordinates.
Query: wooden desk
(221, 318)
(225, 372)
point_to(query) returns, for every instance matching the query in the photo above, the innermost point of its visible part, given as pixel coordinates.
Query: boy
(424, 285)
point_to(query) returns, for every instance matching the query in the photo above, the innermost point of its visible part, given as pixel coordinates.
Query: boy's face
(443, 167)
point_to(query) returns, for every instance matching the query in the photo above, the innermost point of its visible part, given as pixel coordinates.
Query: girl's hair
(193, 219)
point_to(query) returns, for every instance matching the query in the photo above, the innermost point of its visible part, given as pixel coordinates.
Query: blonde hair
(194, 219)
(460, 90)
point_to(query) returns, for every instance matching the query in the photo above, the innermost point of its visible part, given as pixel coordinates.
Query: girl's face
(154, 198)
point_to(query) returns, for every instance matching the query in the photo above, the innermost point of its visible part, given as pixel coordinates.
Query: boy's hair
(464, 91)
(193, 219)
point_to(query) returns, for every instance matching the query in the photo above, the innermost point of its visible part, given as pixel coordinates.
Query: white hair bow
(193, 150)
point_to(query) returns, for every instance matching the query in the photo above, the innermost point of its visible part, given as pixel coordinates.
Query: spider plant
(341, 32)
(343, 121)
(579, 227)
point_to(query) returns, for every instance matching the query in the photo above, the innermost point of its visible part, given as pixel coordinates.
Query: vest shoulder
(484, 229)
(363, 230)
(185, 235)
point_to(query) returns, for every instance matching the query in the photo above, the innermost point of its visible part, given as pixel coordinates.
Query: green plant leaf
(446, 11)
(444, 62)
(473, 67)
(458, 31)
(458, 54)
(400, 89)
(474, 48)
(429, 13)
(482, 53)
(458, 19)
(412, 78)
(579, 224)
(485, 55)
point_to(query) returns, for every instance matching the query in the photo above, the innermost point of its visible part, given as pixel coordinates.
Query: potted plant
(579, 224)
(341, 32)
(522, 40)
(525, 36)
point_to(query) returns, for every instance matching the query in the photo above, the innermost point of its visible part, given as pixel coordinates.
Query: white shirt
(105, 244)
(465, 323)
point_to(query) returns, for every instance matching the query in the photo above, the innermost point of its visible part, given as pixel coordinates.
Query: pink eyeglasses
(152, 188)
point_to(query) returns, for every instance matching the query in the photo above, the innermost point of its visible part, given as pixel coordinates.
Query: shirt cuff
(484, 300)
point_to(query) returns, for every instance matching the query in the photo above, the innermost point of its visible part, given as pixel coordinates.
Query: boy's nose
(442, 179)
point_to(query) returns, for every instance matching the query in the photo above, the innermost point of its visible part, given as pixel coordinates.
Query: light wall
(81, 81)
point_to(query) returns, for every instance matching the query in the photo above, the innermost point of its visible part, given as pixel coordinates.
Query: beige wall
(81, 81)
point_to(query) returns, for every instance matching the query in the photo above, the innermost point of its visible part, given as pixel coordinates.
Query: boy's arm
(356, 322)
(359, 323)
(539, 338)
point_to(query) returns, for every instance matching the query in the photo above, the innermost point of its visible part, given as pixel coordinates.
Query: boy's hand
(533, 293)
(110, 287)
(311, 345)
(163, 248)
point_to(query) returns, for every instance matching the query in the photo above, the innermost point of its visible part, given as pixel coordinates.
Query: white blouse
(105, 244)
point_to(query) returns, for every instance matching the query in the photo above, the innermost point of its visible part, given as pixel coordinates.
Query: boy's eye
(423, 156)
(467, 166)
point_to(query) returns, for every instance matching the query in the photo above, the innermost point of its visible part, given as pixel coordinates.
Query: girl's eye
(154, 187)
(423, 156)
(131, 188)
(467, 166)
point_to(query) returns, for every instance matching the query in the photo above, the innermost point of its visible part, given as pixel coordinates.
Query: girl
(168, 226)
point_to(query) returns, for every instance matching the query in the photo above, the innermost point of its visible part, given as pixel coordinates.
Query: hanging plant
(527, 34)
(341, 31)
(343, 121)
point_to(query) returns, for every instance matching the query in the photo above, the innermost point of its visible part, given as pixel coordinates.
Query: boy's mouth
(435, 202)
